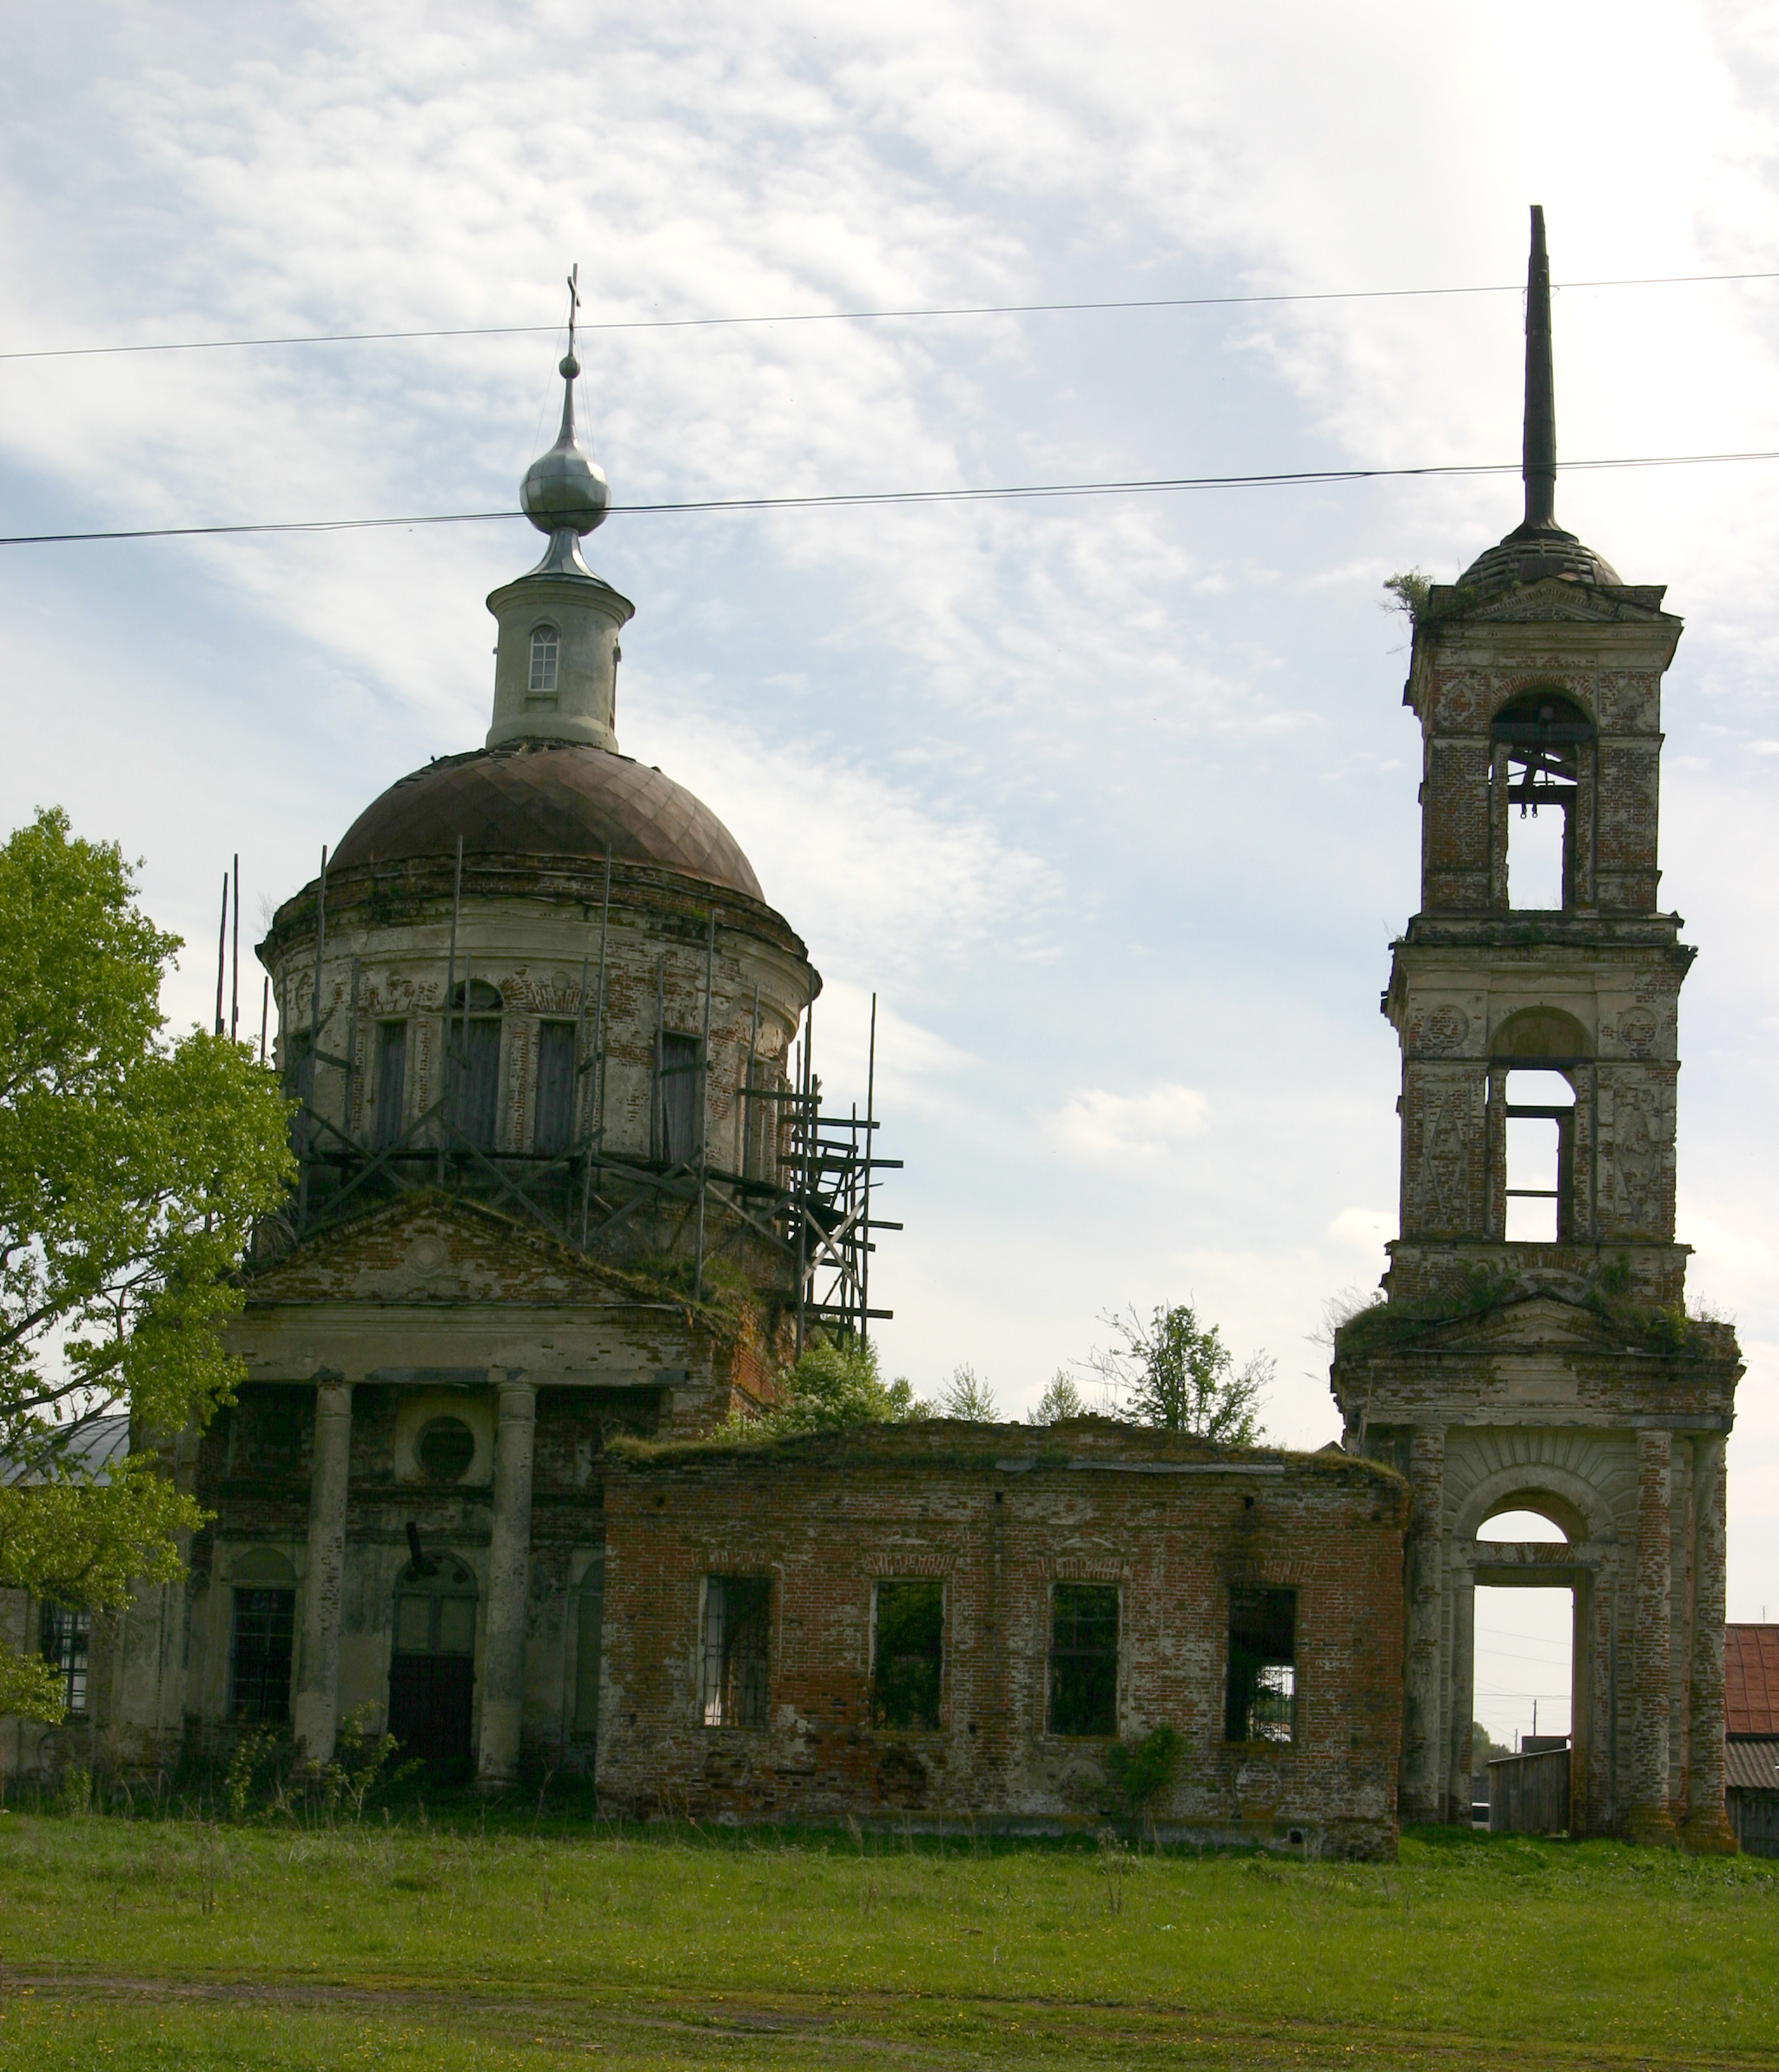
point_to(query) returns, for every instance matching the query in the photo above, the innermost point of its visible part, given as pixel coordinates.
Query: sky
(1111, 800)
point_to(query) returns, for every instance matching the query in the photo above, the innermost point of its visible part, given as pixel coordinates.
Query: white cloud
(1363, 1230)
(1094, 1124)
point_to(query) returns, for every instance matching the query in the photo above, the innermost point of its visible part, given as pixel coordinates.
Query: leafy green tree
(131, 1169)
(1060, 1400)
(1174, 1373)
(832, 1386)
(967, 1396)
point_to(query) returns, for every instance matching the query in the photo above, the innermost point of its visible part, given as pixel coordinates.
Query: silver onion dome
(565, 490)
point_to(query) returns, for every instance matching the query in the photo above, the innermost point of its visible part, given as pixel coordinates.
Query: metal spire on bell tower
(1538, 454)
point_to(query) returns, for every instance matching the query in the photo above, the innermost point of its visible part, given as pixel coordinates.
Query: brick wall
(1002, 1514)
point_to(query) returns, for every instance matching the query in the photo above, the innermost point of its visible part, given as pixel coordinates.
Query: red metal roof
(1751, 1679)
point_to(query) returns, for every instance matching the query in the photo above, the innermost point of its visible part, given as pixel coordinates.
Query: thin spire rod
(1538, 463)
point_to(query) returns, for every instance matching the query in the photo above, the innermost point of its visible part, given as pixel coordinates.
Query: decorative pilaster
(509, 1584)
(316, 1710)
(1423, 1749)
(1706, 1827)
(1650, 1818)
(1463, 1675)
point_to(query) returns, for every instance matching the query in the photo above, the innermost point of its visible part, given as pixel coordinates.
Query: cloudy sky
(1111, 800)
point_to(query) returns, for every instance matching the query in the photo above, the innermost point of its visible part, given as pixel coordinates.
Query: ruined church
(570, 1198)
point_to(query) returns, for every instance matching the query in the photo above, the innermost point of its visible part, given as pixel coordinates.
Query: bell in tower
(1532, 1352)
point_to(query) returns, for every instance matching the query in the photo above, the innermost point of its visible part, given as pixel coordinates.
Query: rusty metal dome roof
(1531, 553)
(549, 798)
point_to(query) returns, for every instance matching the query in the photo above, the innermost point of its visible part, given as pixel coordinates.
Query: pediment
(1554, 598)
(435, 1249)
(1531, 1323)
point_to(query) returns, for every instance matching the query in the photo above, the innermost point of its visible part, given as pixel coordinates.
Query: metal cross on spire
(573, 303)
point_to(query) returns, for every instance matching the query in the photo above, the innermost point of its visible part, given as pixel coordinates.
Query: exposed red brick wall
(1002, 1512)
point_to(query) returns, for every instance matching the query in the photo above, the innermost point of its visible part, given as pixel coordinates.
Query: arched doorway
(432, 1669)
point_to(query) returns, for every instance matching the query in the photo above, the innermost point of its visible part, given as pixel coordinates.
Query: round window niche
(446, 1447)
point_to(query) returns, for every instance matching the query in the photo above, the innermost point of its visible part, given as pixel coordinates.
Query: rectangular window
(553, 1126)
(65, 1635)
(299, 1083)
(1084, 1658)
(1262, 1666)
(475, 1077)
(737, 1615)
(391, 1084)
(677, 1102)
(259, 1656)
(909, 1657)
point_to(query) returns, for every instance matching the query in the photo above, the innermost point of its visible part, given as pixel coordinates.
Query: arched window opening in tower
(546, 646)
(1540, 741)
(1540, 1157)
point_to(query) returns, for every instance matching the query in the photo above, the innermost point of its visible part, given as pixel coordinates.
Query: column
(1423, 1748)
(509, 1582)
(1463, 1688)
(1706, 1827)
(315, 1708)
(1650, 1818)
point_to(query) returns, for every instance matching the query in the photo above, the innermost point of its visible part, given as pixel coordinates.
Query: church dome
(1529, 553)
(549, 798)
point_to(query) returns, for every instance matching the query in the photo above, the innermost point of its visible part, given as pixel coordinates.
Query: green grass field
(176, 1944)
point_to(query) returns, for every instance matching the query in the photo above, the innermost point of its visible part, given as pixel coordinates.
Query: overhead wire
(845, 499)
(863, 316)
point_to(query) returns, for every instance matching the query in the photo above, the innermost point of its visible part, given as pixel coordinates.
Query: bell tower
(1532, 1351)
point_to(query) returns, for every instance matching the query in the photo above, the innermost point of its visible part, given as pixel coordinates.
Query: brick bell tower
(1532, 1352)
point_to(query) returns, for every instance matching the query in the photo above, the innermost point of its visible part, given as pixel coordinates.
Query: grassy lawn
(174, 1943)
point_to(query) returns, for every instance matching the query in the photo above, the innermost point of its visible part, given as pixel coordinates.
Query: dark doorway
(432, 1670)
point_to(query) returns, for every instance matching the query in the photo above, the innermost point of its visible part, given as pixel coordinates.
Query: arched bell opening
(432, 1666)
(1541, 770)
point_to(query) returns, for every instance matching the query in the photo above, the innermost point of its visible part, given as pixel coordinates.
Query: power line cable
(866, 316)
(867, 499)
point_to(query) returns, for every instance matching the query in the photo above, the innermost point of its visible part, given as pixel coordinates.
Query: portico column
(315, 1709)
(1650, 1818)
(1706, 1827)
(1423, 1748)
(509, 1582)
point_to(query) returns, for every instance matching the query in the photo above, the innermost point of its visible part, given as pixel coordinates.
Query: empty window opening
(908, 1658)
(737, 1614)
(1537, 837)
(474, 1044)
(1540, 1157)
(677, 1097)
(64, 1639)
(553, 1125)
(259, 1654)
(1084, 1658)
(391, 1084)
(1262, 1695)
(299, 1083)
(546, 647)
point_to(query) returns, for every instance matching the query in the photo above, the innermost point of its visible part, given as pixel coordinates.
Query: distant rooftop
(1751, 1679)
